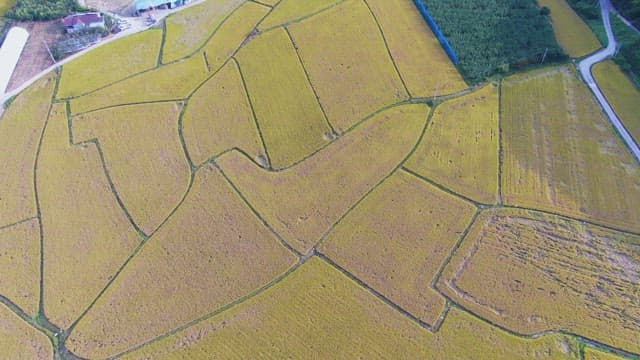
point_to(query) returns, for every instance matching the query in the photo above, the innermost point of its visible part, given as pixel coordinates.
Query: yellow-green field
(332, 45)
(143, 155)
(20, 265)
(20, 341)
(328, 314)
(343, 173)
(184, 33)
(547, 273)
(460, 149)
(5, 5)
(20, 130)
(289, 116)
(395, 241)
(562, 155)
(219, 117)
(313, 179)
(87, 236)
(621, 93)
(230, 254)
(104, 65)
(572, 33)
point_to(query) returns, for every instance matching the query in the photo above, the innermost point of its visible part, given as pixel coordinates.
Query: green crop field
(315, 179)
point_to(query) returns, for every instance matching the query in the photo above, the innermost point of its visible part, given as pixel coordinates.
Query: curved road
(585, 69)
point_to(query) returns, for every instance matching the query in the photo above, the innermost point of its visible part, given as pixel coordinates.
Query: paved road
(585, 69)
(134, 25)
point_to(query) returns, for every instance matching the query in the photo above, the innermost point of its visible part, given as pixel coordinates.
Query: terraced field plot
(287, 179)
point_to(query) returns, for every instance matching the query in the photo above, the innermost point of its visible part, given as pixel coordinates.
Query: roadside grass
(621, 93)
(573, 34)
(547, 273)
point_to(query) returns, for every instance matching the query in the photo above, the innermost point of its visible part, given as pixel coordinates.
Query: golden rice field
(292, 122)
(395, 241)
(561, 154)
(20, 129)
(303, 179)
(547, 273)
(460, 148)
(104, 65)
(184, 33)
(143, 155)
(621, 93)
(19, 264)
(342, 174)
(221, 107)
(348, 323)
(573, 34)
(19, 340)
(5, 5)
(332, 45)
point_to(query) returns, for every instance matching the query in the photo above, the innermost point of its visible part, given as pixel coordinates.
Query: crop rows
(339, 204)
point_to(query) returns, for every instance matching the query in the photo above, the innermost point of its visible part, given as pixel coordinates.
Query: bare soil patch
(35, 57)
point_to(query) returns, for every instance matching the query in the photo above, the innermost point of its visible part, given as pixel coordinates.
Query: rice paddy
(573, 34)
(314, 179)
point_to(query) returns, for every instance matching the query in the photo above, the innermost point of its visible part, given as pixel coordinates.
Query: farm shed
(142, 5)
(76, 22)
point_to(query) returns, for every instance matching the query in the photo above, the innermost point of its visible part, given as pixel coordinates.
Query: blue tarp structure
(436, 30)
(146, 4)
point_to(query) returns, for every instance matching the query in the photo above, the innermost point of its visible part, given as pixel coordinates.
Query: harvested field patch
(573, 34)
(531, 272)
(561, 154)
(143, 155)
(236, 31)
(110, 63)
(170, 82)
(621, 93)
(396, 239)
(219, 118)
(291, 10)
(332, 46)
(212, 251)
(20, 130)
(290, 118)
(460, 147)
(20, 265)
(329, 316)
(21, 341)
(86, 234)
(301, 203)
(188, 29)
(423, 64)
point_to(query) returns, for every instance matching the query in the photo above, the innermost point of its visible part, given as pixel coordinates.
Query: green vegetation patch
(492, 36)
(630, 9)
(30, 10)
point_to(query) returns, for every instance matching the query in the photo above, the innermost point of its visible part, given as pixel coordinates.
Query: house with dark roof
(76, 22)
